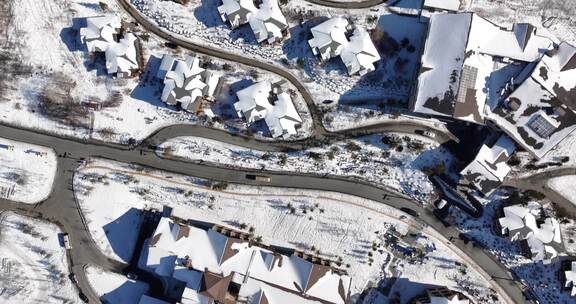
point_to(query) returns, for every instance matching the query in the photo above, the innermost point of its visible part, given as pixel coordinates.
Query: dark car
(83, 297)
(410, 211)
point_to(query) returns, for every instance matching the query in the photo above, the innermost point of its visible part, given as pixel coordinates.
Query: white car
(429, 134)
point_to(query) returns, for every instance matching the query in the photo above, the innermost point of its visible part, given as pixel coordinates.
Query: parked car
(67, 241)
(259, 178)
(429, 133)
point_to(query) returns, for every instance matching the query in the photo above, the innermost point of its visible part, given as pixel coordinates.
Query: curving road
(61, 206)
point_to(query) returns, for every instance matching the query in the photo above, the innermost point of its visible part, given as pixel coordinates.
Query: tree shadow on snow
(123, 232)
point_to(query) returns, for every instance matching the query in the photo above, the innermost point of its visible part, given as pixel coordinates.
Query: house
(440, 295)
(105, 35)
(540, 112)
(263, 100)
(266, 21)
(488, 170)
(186, 83)
(568, 276)
(458, 69)
(218, 265)
(539, 236)
(330, 40)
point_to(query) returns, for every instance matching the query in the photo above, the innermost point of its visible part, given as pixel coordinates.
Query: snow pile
(26, 171)
(34, 267)
(366, 159)
(115, 288)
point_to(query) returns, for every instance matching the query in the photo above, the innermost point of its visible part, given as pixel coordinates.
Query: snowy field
(34, 267)
(115, 288)
(49, 63)
(542, 279)
(323, 222)
(398, 39)
(26, 171)
(365, 158)
(565, 186)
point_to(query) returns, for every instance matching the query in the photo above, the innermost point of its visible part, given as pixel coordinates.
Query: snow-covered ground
(398, 39)
(46, 58)
(34, 267)
(364, 158)
(542, 279)
(557, 16)
(565, 186)
(309, 220)
(115, 288)
(26, 171)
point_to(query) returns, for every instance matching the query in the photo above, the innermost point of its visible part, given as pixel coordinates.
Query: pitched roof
(540, 112)
(450, 5)
(488, 170)
(329, 38)
(258, 102)
(570, 278)
(266, 21)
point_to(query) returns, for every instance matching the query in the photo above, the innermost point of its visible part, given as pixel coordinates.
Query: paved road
(348, 4)
(61, 206)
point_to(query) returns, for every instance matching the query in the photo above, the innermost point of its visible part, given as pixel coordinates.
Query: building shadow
(207, 13)
(149, 88)
(128, 292)
(122, 233)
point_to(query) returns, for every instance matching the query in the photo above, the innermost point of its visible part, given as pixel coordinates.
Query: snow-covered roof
(329, 40)
(185, 82)
(440, 295)
(207, 257)
(570, 278)
(488, 170)
(104, 34)
(449, 5)
(458, 62)
(454, 299)
(541, 235)
(540, 112)
(258, 102)
(121, 57)
(267, 21)
(360, 54)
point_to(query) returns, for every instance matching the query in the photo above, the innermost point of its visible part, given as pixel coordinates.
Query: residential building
(219, 265)
(264, 100)
(459, 70)
(488, 170)
(266, 21)
(540, 112)
(105, 35)
(440, 295)
(330, 40)
(186, 83)
(539, 235)
(568, 276)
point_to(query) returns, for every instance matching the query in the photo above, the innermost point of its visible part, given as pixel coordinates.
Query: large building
(105, 35)
(539, 236)
(219, 265)
(330, 40)
(514, 79)
(186, 83)
(488, 170)
(264, 100)
(541, 111)
(463, 53)
(266, 21)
